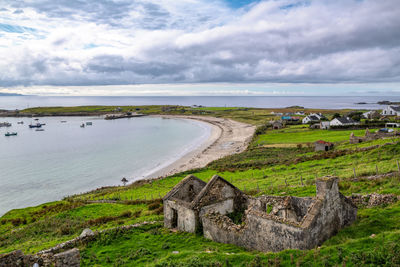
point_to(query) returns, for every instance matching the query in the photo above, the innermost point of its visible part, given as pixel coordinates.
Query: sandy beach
(227, 137)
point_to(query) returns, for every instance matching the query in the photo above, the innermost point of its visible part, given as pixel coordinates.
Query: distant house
(299, 113)
(277, 125)
(290, 118)
(321, 145)
(392, 125)
(325, 125)
(311, 118)
(343, 121)
(391, 111)
(372, 114)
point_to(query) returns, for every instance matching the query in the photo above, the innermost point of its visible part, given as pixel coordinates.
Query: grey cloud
(18, 11)
(343, 42)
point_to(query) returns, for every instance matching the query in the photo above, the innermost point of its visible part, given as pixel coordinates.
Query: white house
(343, 121)
(391, 111)
(372, 114)
(325, 125)
(315, 117)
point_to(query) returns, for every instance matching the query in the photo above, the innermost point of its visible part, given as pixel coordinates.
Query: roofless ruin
(269, 223)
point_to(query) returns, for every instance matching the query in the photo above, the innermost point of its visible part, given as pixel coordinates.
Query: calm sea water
(325, 102)
(37, 167)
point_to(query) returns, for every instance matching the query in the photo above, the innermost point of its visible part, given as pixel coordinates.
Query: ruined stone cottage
(321, 145)
(370, 136)
(269, 223)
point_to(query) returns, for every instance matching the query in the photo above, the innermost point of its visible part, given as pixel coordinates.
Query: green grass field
(302, 134)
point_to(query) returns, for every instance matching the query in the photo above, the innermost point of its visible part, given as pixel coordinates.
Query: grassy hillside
(267, 167)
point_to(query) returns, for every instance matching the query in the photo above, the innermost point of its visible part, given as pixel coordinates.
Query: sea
(65, 158)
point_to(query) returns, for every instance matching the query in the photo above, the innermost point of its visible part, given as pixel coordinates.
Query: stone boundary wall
(69, 258)
(373, 200)
(371, 136)
(61, 255)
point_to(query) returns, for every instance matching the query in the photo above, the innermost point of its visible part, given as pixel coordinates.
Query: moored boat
(10, 134)
(82, 125)
(37, 125)
(5, 124)
(89, 123)
(39, 130)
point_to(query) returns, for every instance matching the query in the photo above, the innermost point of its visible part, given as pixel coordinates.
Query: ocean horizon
(318, 102)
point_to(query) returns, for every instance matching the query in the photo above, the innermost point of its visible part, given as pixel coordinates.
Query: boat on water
(82, 125)
(36, 125)
(63, 121)
(10, 134)
(39, 130)
(5, 124)
(89, 123)
(20, 122)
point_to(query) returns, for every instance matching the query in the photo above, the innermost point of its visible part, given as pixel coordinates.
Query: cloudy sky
(163, 47)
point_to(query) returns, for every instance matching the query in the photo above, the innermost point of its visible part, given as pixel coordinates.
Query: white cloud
(65, 43)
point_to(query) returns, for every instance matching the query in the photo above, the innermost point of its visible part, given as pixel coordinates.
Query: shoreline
(227, 137)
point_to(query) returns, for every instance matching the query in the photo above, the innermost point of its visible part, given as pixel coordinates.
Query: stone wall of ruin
(187, 217)
(325, 215)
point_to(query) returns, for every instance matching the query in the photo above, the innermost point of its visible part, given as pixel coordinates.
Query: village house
(392, 125)
(310, 119)
(290, 118)
(343, 121)
(325, 125)
(276, 125)
(315, 117)
(372, 115)
(391, 111)
(321, 145)
(268, 223)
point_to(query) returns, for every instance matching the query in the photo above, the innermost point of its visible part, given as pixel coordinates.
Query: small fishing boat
(20, 122)
(63, 121)
(37, 125)
(10, 134)
(82, 125)
(39, 130)
(5, 124)
(89, 123)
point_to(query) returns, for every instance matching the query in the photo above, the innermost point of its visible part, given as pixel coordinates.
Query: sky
(200, 47)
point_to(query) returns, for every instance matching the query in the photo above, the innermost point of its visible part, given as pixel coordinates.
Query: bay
(65, 159)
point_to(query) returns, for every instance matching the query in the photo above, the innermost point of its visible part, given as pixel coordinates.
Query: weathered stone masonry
(270, 223)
